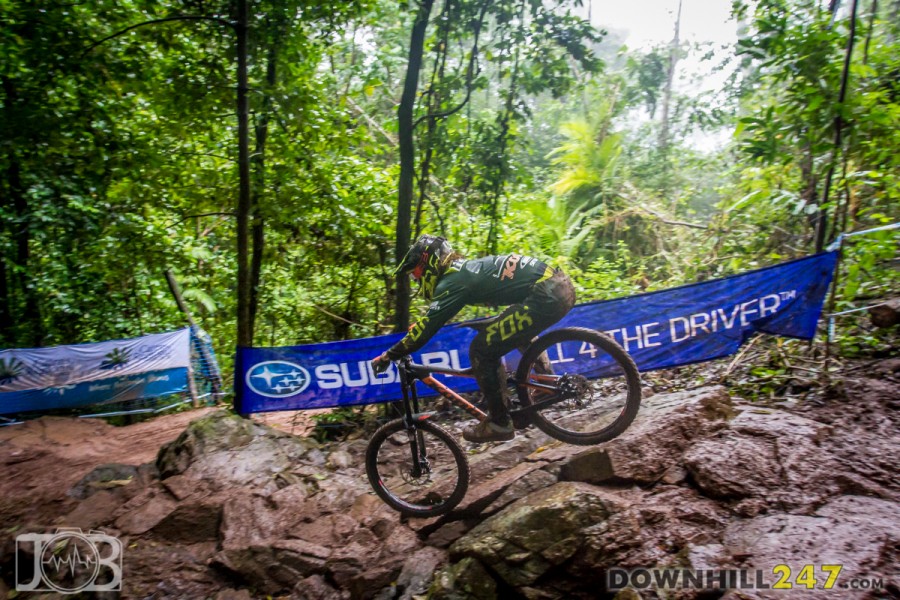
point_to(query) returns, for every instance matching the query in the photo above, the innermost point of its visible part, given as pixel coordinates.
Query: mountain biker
(536, 296)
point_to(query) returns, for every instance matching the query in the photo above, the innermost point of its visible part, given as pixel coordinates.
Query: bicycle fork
(417, 449)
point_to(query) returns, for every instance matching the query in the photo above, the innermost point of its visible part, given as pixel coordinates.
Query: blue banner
(67, 376)
(668, 328)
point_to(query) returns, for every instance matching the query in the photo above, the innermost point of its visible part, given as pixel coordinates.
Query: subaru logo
(278, 379)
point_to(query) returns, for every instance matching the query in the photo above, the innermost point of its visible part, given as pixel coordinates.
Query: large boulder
(773, 458)
(275, 566)
(229, 450)
(665, 427)
(537, 533)
(734, 466)
(273, 541)
(464, 580)
(860, 534)
(655, 526)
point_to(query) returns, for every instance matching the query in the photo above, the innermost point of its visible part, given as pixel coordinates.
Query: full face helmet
(425, 261)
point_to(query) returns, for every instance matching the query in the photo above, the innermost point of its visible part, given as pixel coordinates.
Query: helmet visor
(410, 261)
(416, 258)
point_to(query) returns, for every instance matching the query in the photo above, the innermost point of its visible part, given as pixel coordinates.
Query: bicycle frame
(411, 372)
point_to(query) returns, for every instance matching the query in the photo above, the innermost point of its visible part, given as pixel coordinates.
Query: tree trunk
(244, 323)
(406, 141)
(20, 280)
(663, 143)
(259, 163)
(822, 214)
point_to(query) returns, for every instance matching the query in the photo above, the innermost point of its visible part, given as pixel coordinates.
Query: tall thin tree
(406, 142)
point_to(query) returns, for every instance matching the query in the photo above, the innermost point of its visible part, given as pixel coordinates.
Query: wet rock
(751, 507)
(274, 567)
(104, 477)
(656, 527)
(779, 423)
(536, 533)
(860, 534)
(733, 466)
(249, 520)
(226, 449)
(95, 511)
(521, 487)
(164, 570)
(674, 475)
(339, 459)
(315, 587)
(707, 556)
(418, 572)
(769, 455)
(665, 427)
(465, 580)
(191, 522)
(233, 595)
(144, 512)
(445, 535)
(490, 461)
(182, 487)
(338, 492)
(367, 562)
(373, 514)
(491, 492)
(360, 550)
(689, 485)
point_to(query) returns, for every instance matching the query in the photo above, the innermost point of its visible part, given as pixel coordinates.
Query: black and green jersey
(492, 280)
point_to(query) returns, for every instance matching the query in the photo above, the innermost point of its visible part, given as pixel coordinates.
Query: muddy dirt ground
(41, 459)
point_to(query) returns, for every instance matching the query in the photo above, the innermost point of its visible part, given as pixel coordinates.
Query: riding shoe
(489, 431)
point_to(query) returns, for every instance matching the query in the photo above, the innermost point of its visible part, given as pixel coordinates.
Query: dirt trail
(41, 459)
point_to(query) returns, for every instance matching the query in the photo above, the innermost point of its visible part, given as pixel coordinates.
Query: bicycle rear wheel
(432, 484)
(591, 393)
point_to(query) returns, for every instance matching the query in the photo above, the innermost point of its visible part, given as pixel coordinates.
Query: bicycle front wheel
(420, 471)
(579, 386)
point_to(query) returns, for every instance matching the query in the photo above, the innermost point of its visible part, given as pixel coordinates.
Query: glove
(381, 364)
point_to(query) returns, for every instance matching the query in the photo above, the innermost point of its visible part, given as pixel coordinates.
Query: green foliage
(791, 103)
(118, 159)
(591, 160)
(855, 337)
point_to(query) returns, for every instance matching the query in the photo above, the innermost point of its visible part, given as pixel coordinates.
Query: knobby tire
(384, 477)
(630, 379)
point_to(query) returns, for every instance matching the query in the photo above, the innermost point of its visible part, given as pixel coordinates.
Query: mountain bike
(576, 385)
